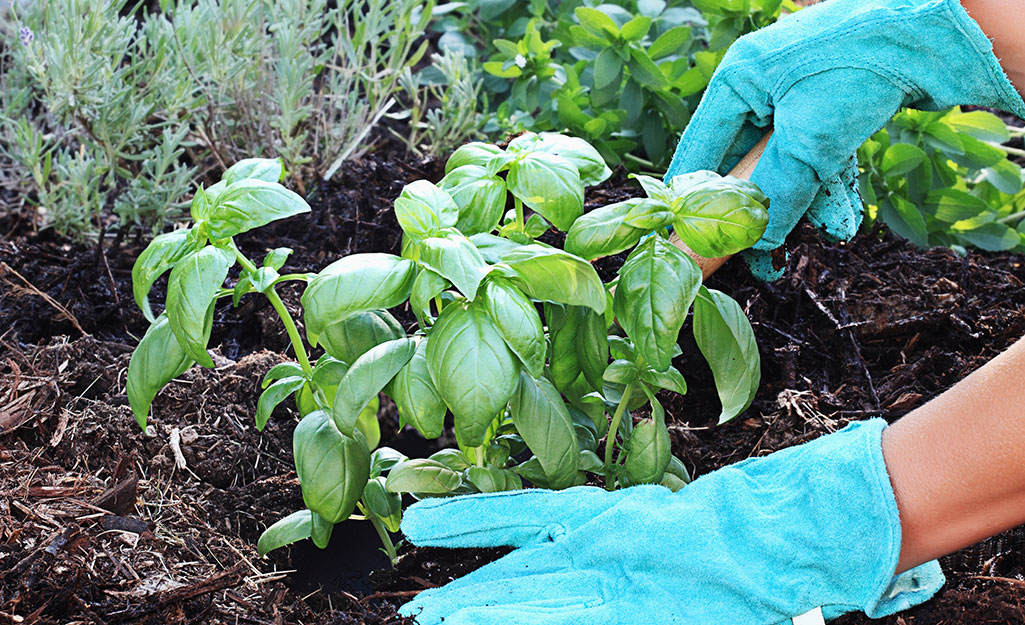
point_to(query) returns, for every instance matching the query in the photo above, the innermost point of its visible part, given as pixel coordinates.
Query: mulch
(102, 523)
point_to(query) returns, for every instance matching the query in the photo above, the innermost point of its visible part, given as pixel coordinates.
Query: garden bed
(101, 524)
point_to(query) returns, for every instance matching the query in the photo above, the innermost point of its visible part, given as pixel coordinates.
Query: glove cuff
(1002, 94)
(892, 593)
(856, 452)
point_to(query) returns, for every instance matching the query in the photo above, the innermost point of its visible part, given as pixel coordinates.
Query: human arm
(826, 79)
(956, 462)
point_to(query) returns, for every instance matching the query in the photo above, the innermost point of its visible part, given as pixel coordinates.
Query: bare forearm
(1002, 22)
(956, 463)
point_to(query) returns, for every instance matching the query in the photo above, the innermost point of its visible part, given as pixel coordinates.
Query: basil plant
(535, 358)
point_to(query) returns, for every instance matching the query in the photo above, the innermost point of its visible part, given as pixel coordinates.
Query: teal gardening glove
(755, 543)
(826, 79)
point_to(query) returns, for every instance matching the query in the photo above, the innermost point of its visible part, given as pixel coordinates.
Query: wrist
(1001, 21)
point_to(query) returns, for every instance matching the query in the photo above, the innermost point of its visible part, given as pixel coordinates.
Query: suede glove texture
(756, 543)
(826, 78)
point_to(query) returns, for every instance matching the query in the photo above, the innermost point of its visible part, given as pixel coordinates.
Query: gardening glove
(755, 543)
(826, 78)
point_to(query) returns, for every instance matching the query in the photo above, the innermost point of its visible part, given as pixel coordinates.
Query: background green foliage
(624, 75)
(942, 178)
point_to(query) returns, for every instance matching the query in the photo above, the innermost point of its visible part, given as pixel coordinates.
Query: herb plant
(624, 76)
(535, 358)
(942, 178)
(121, 107)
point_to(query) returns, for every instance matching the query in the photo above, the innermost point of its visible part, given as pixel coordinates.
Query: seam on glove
(820, 66)
(982, 44)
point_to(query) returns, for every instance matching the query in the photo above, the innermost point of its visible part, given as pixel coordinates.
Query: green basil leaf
(418, 400)
(473, 369)
(536, 226)
(684, 183)
(263, 278)
(457, 259)
(548, 184)
(493, 480)
(367, 422)
(243, 286)
(355, 335)
(422, 476)
(622, 348)
(552, 275)
(191, 294)
(657, 285)
(604, 231)
(281, 370)
(251, 203)
(670, 379)
(157, 360)
(588, 161)
(479, 196)
(274, 395)
(491, 247)
(365, 379)
(162, 253)
(621, 372)
(592, 346)
(333, 468)
(291, 529)
(452, 458)
(356, 283)
(383, 459)
(475, 153)
(647, 453)
(320, 530)
(383, 504)
(517, 321)
(426, 287)
(422, 209)
(726, 340)
(266, 169)
(650, 215)
(563, 360)
(718, 219)
(544, 422)
(655, 189)
(275, 259)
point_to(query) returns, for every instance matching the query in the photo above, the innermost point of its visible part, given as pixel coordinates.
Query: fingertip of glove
(762, 265)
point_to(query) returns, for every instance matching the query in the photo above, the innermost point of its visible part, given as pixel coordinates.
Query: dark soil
(100, 523)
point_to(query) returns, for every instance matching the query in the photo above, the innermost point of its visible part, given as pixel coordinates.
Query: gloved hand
(756, 543)
(826, 79)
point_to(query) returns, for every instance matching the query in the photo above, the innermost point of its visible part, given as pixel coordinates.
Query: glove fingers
(522, 615)
(790, 184)
(810, 155)
(518, 580)
(837, 208)
(513, 518)
(718, 135)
